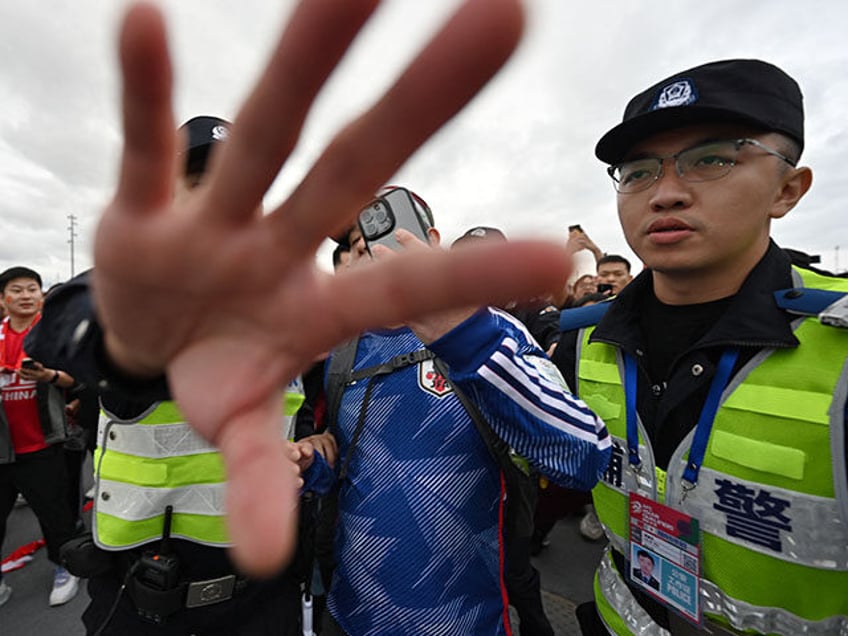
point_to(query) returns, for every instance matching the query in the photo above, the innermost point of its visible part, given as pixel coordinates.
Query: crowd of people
(381, 450)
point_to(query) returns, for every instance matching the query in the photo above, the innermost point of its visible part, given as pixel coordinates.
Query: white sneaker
(65, 587)
(590, 526)
(5, 593)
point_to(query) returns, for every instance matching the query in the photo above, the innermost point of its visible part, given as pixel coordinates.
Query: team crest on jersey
(432, 381)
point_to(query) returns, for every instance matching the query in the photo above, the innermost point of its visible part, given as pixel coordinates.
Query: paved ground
(566, 569)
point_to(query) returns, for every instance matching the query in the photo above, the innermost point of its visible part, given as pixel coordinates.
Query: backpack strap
(500, 451)
(339, 376)
(520, 482)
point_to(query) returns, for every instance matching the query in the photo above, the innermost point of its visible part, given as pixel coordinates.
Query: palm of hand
(228, 301)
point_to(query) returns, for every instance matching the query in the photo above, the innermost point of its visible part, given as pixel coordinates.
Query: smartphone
(28, 363)
(379, 220)
(575, 228)
(604, 288)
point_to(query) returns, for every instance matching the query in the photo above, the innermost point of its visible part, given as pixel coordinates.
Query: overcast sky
(520, 157)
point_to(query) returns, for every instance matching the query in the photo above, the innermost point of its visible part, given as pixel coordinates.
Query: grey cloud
(520, 157)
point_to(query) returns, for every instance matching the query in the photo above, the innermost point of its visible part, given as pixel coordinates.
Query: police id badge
(665, 553)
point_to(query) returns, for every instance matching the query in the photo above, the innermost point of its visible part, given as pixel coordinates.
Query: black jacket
(669, 407)
(68, 336)
(51, 417)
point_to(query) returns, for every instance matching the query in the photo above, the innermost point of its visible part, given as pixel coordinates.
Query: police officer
(724, 392)
(160, 564)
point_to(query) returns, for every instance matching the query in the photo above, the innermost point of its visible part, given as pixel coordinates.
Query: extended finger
(262, 483)
(149, 152)
(268, 125)
(416, 283)
(447, 73)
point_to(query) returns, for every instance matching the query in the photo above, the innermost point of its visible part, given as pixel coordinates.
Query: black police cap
(201, 133)
(729, 91)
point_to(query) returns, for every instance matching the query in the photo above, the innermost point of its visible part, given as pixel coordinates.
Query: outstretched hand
(229, 302)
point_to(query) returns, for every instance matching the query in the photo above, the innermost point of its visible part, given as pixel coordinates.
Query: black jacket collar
(753, 319)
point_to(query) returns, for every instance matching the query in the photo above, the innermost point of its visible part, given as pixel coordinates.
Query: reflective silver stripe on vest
(766, 620)
(623, 602)
(818, 538)
(742, 615)
(135, 503)
(619, 543)
(838, 442)
(155, 440)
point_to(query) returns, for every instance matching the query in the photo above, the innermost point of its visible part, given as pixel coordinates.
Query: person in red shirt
(32, 429)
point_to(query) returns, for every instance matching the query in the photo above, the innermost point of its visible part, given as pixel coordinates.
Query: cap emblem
(219, 132)
(678, 93)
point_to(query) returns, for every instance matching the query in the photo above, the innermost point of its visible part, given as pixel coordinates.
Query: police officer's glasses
(705, 162)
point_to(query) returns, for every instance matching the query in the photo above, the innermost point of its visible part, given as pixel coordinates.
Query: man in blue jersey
(419, 543)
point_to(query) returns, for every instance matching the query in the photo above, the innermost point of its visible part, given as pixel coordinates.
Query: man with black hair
(644, 571)
(614, 270)
(32, 429)
(427, 533)
(720, 369)
(341, 256)
(158, 524)
(539, 316)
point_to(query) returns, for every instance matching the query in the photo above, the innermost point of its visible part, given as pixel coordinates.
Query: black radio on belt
(155, 579)
(159, 569)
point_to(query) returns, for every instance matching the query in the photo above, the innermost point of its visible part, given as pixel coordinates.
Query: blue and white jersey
(419, 545)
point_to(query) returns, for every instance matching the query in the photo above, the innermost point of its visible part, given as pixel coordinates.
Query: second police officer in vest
(159, 504)
(725, 396)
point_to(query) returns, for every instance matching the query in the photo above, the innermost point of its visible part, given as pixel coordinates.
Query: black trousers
(262, 608)
(524, 589)
(42, 478)
(74, 460)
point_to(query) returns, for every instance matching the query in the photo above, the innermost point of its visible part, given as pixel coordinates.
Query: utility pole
(836, 260)
(72, 220)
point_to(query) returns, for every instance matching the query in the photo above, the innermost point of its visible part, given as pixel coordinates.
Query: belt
(211, 591)
(155, 605)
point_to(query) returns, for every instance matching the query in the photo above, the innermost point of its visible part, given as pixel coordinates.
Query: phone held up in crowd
(382, 217)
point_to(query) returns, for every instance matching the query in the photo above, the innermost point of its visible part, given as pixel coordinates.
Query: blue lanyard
(705, 420)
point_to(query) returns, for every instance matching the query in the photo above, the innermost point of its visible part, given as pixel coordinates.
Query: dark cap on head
(480, 233)
(201, 134)
(18, 271)
(730, 91)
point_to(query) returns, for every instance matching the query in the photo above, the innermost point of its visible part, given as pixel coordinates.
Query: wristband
(55, 377)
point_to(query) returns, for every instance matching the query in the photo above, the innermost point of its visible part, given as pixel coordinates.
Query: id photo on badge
(647, 567)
